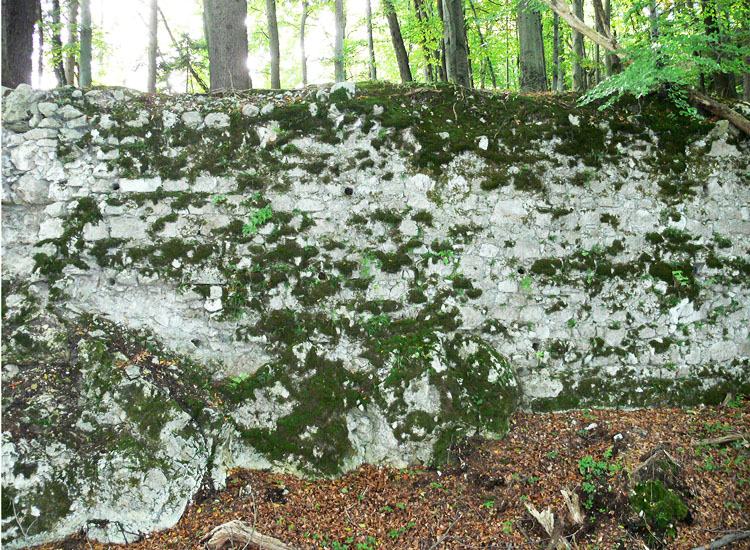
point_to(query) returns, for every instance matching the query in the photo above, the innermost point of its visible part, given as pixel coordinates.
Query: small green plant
(257, 218)
(681, 279)
(219, 198)
(526, 283)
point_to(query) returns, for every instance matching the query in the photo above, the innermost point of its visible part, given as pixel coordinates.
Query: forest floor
(480, 500)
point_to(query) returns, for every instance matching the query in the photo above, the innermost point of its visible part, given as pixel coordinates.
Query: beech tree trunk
(454, 36)
(153, 21)
(370, 43)
(226, 35)
(19, 18)
(338, 45)
(273, 39)
(72, 39)
(84, 63)
(531, 49)
(556, 52)
(57, 44)
(303, 53)
(578, 82)
(402, 57)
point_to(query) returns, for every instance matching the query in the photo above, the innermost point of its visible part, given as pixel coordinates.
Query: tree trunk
(370, 43)
(578, 50)
(443, 69)
(273, 39)
(454, 35)
(190, 70)
(70, 58)
(19, 18)
(303, 53)
(85, 57)
(483, 43)
(531, 49)
(338, 45)
(556, 52)
(723, 83)
(226, 35)
(398, 42)
(153, 21)
(57, 45)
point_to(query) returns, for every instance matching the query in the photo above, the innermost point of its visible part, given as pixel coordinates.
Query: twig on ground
(441, 539)
(724, 541)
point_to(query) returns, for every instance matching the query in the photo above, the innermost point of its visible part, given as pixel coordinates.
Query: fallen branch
(724, 541)
(723, 439)
(238, 532)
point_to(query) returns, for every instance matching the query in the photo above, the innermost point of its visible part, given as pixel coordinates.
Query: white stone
(483, 143)
(192, 119)
(267, 109)
(127, 227)
(310, 205)
(47, 109)
(217, 120)
(248, 109)
(68, 112)
(409, 228)
(574, 120)
(51, 228)
(31, 190)
(146, 185)
(349, 87)
(95, 232)
(212, 306)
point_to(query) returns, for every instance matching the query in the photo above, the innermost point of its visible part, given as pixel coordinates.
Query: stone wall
(363, 275)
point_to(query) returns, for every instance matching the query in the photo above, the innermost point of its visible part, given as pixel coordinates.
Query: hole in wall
(348, 191)
(115, 186)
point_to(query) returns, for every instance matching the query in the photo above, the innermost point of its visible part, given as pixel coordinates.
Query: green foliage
(257, 218)
(660, 508)
(684, 50)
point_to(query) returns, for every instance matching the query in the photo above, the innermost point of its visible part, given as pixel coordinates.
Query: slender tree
(423, 20)
(153, 21)
(370, 43)
(84, 61)
(226, 34)
(71, 59)
(578, 79)
(454, 35)
(402, 57)
(443, 68)
(273, 39)
(338, 44)
(303, 53)
(19, 18)
(57, 44)
(556, 52)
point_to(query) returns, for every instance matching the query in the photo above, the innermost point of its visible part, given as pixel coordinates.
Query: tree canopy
(603, 49)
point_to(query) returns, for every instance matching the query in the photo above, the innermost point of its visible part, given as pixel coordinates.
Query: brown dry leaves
(479, 500)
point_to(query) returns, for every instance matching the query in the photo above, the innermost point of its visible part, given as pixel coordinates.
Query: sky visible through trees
(663, 44)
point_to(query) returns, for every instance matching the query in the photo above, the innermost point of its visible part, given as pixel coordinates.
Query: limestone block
(192, 118)
(248, 109)
(127, 227)
(51, 228)
(217, 120)
(146, 185)
(68, 112)
(47, 108)
(31, 189)
(95, 232)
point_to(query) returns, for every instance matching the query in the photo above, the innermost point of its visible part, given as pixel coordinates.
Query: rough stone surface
(311, 281)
